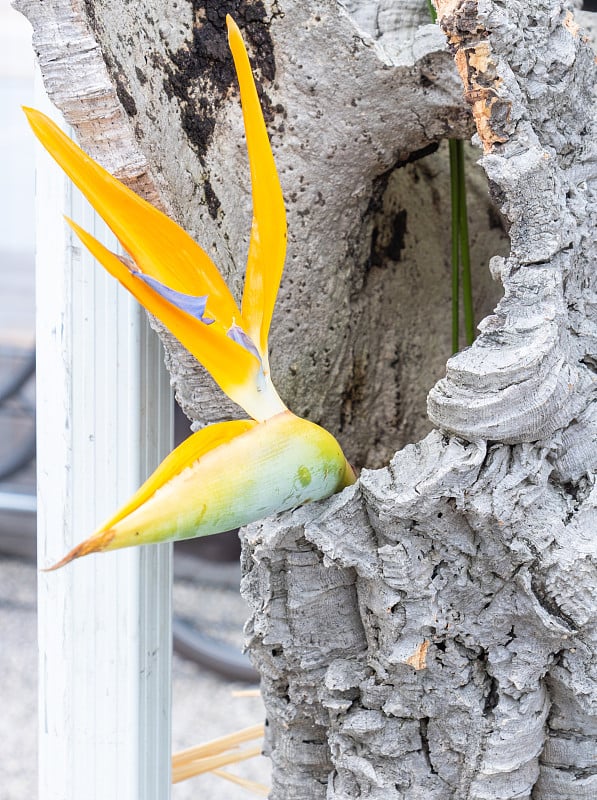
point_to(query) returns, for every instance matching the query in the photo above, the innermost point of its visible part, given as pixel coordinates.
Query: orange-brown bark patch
(418, 659)
(477, 69)
(571, 24)
(481, 81)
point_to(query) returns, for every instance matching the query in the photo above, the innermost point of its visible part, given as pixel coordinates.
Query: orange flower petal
(233, 368)
(267, 247)
(159, 246)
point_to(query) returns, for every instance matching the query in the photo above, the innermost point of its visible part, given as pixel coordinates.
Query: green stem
(460, 243)
(455, 214)
(432, 11)
(465, 257)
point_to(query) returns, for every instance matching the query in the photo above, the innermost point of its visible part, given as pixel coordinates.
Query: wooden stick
(252, 786)
(197, 767)
(246, 693)
(216, 746)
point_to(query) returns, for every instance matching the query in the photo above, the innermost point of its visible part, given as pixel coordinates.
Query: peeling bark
(430, 632)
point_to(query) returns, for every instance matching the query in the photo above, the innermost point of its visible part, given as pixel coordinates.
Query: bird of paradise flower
(229, 473)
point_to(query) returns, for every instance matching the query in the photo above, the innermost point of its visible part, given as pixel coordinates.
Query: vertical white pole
(104, 420)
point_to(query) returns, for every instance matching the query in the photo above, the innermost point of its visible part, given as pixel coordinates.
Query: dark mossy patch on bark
(201, 72)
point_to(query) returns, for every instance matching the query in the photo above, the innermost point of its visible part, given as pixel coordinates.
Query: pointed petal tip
(94, 544)
(63, 562)
(233, 30)
(36, 119)
(32, 115)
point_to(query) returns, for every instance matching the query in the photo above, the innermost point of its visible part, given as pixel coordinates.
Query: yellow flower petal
(267, 247)
(159, 246)
(234, 368)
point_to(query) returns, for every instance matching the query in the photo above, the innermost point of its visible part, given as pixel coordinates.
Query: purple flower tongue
(237, 335)
(195, 306)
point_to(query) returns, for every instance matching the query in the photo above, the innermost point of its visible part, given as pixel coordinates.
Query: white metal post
(104, 420)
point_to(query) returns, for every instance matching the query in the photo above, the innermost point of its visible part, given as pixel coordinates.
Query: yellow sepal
(267, 246)
(234, 368)
(159, 247)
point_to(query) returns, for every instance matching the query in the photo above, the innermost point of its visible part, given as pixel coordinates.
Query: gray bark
(430, 632)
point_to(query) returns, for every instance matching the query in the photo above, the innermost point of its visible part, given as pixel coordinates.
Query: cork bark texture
(430, 632)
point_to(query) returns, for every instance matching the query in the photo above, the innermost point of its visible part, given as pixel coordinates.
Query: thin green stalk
(465, 257)
(460, 243)
(455, 214)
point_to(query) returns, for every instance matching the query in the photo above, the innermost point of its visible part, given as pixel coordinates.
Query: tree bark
(429, 632)
(149, 88)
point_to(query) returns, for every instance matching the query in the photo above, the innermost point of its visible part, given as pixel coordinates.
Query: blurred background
(17, 295)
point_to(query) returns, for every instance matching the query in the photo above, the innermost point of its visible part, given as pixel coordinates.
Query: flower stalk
(460, 248)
